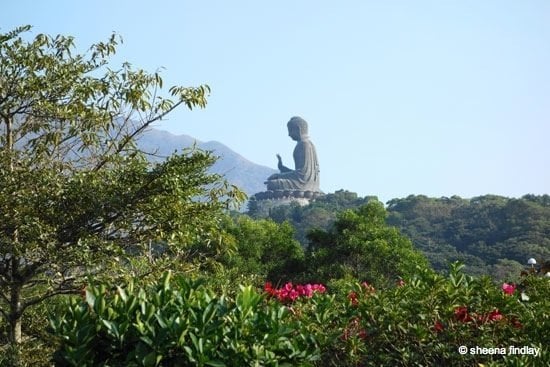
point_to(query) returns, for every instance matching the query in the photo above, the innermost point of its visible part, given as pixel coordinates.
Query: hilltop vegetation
(491, 234)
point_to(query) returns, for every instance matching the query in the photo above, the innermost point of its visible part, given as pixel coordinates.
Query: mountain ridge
(238, 170)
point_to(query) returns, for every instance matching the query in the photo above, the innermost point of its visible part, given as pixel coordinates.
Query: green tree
(76, 194)
(318, 214)
(265, 249)
(363, 246)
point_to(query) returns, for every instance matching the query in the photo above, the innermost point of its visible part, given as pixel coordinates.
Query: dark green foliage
(77, 197)
(264, 249)
(319, 214)
(362, 246)
(490, 234)
(485, 232)
(424, 321)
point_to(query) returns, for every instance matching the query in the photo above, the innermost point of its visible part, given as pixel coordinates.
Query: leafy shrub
(423, 321)
(177, 322)
(419, 321)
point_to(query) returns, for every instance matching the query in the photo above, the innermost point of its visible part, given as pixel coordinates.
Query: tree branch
(127, 139)
(48, 295)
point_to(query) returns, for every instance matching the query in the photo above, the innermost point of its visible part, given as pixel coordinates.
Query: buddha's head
(297, 128)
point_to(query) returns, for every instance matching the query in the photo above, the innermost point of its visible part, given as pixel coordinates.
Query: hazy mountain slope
(238, 170)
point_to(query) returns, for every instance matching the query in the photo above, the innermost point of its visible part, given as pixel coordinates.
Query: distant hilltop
(239, 171)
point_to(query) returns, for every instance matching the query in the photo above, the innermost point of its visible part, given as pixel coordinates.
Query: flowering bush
(461, 314)
(289, 292)
(419, 321)
(425, 319)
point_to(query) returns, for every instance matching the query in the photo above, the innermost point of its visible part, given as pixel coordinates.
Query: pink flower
(268, 288)
(461, 314)
(515, 323)
(289, 292)
(494, 315)
(508, 289)
(438, 326)
(400, 283)
(293, 294)
(319, 288)
(308, 291)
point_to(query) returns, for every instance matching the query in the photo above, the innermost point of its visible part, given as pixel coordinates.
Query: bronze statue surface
(305, 175)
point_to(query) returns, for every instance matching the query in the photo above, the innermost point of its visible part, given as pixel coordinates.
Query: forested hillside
(491, 234)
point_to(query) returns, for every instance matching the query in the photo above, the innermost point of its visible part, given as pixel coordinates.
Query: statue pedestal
(262, 202)
(286, 194)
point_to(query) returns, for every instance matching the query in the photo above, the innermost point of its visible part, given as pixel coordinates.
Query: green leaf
(166, 280)
(215, 363)
(112, 328)
(122, 294)
(151, 360)
(90, 297)
(147, 340)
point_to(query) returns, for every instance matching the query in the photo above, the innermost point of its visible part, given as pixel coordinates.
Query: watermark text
(510, 350)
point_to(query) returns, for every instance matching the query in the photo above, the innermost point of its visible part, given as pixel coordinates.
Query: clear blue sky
(403, 97)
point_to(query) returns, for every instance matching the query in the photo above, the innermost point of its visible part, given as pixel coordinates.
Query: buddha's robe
(305, 176)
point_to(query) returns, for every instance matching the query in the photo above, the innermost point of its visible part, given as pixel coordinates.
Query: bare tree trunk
(15, 329)
(15, 312)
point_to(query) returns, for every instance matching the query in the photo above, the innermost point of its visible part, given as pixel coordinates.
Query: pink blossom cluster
(290, 292)
(508, 289)
(461, 314)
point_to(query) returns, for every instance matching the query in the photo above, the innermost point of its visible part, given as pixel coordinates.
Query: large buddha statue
(305, 175)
